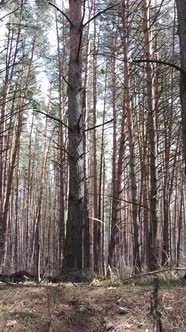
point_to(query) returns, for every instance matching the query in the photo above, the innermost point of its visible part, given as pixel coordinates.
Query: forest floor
(87, 308)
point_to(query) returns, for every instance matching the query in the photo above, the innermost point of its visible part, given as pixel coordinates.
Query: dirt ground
(83, 308)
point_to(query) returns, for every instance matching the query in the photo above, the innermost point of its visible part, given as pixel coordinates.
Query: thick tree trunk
(73, 242)
(181, 10)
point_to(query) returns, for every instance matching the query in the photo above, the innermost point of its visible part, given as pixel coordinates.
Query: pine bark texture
(181, 11)
(73, 242)
(136, 252)
(153, 222)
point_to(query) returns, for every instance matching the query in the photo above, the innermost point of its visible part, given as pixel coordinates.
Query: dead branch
(66, 81)
(59, 10)
(157, 14)
(123, 200)
(7, 67)
(170, 64)
(98, 14)
(100, 125)
(52, 118)
(140, 275)
(10, 13)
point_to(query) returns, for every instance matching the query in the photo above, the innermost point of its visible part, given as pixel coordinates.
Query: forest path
(86, 308)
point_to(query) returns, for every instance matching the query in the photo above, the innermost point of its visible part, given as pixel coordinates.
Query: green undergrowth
(25, 316)
(166, 280)
(103, 281)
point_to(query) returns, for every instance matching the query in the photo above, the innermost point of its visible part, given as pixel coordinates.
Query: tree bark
(136, 253)
(61, 152)
(181, 11)
(152, 239)
(73, 242)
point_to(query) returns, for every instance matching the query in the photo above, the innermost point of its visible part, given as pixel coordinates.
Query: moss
(105, 282)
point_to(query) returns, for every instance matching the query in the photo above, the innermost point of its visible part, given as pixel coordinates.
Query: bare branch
(3, 50)
(98, 14)
(123, 200)
(63, 149)
(100, 125)
(9, 13)
(181, 70)
(139, 275)
(157, 14)
(66, 81)
(52, 118)
(61, 13)
(7, 67)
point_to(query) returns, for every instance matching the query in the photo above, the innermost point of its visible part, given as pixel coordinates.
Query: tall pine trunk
(152, 238)
(136, 253)
(181, 9)
(73, 242)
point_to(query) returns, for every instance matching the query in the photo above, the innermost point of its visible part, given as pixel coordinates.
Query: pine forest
(92, 136)
(92, 162)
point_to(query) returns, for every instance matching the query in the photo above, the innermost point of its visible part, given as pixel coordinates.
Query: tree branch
(100, 125)
(63, 149)
(139, 275)
(52, 118)
(123, 200)
(98, 14)
(61, 13)
(66, 81)
(157, 14)
(9, 13)
(178, 68)
(7, 67)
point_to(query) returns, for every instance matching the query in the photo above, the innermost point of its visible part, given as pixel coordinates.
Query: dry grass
(69, 308)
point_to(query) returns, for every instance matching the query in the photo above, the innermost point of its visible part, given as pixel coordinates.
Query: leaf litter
(87, 308)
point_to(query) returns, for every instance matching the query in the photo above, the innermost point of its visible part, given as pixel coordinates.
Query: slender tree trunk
(101, 187)
(115, 200)
(15, 254)
(88, 259)
(136, 254)
(96, 224)
(152, 261)
(61, 153)
(180, 221)
(29, 185)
